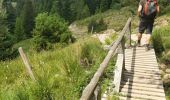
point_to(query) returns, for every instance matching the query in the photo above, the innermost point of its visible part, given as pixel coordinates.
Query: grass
(163, 33)
(60, 73)
(115, 19)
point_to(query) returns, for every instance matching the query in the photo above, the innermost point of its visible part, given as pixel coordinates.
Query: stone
(168, 71)
(163, 67)
(166, 78)
(162, 72)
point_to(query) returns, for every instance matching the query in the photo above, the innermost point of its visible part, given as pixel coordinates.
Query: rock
(168, 71)
(166, 81)
(162, 72)
(166, 78)
(106, 47)
(163, 67)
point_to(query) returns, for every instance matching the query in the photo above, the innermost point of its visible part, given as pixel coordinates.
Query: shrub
(50, 29)
(157, 43)
(97, 25)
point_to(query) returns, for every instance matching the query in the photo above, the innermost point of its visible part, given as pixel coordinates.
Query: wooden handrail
(89, 89)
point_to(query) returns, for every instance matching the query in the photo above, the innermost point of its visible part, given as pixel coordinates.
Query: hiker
(147, 11)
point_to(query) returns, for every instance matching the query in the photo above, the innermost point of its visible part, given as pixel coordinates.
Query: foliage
(53, 70)
(50, 29)
(27, 18)
(97, 26)
(157, 43)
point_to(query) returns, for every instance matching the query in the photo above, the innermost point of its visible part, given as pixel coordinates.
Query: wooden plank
(118, 72)
(141, 79)
(143, 92)
(141, 73)
(140, 59)
(143, 66)
(139, 76)
(144, 81)
(144, 69)
(144, 76)
(158, 86)
(143, 96)
(140, 64)
(142, 88)
(129, 98)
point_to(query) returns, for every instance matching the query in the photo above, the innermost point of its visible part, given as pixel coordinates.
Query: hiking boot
(147, 48)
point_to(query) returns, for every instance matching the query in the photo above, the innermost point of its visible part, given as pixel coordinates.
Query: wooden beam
(118, 72)
(26, 63)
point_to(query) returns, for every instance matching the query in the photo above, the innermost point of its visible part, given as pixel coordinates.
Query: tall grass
(161, 42)
(60, 73)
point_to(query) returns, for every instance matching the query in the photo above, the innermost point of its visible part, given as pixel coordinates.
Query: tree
(10, 13)
(19, 30)
(50, 29)
(27, 18)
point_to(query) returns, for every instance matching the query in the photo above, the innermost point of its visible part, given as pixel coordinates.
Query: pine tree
(27, 18)
(19, 30)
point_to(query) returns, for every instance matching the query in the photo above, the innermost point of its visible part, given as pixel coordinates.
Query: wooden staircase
(141, 78)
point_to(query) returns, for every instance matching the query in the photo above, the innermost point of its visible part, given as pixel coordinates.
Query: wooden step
(129, 98)
(143, 92)
(158, 86)
(142, 76)
(146, 67)
(141, 96)
(141, 68)
(142, 72)
(141, 88)
(143, 81)
(126, 75)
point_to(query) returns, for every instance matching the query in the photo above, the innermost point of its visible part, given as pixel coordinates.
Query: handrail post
(130, 32)
(26, 63)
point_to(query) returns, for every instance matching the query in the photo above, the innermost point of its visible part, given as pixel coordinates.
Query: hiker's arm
(157, 8)
(139, 10)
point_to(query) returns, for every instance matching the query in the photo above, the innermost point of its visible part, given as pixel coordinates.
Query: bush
(157, 43)
(97, 25)
(50, 29)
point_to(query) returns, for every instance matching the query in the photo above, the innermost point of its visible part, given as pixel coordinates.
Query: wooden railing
(119, 45)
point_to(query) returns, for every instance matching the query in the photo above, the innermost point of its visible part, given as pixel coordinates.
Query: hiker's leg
(139, 37)
(142, 27)
(148, 40)
(149, 31)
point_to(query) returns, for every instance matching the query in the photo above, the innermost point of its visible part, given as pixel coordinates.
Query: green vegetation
(161, 42)
(62, 66)
(161, 45)
(97, 26)
(61, 74)
(50, 29)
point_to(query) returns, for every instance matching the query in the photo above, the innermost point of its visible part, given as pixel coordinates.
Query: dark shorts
(146, 25)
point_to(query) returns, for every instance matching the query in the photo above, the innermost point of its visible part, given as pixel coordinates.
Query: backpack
(150, 9)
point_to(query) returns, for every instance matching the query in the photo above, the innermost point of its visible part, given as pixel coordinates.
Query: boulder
(163, 67)
(166, 78)
(162, 72)
(168, 71)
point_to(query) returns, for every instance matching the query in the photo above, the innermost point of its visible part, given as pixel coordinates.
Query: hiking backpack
(150, 8)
